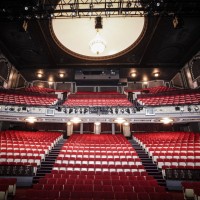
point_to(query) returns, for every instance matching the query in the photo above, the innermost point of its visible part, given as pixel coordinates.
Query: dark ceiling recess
(25, 37)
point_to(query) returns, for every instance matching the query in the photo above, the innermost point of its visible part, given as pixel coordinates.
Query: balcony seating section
(97, 99)
(153, 90)
(26, 148)
(191, 190)
(13, 97)
(172, 149)
(39, 89)
(74, 179)
(178, 97)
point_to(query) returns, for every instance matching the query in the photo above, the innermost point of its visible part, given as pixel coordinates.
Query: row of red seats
(93, 188)
(103, 175)
(67, 160)
(78, 172)
(99, 182)
(21, 159)
(177, 162)
(98, 167)
(98, 195)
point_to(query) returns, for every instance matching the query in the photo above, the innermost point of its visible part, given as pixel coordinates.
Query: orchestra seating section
(191, 190)
(98, 167)
(18, 97)
(97, 99)
(175, 150)
(174, 97)
(25, 148)
(7, 186)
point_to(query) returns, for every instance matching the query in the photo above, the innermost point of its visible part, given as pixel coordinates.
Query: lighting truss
(48, 9)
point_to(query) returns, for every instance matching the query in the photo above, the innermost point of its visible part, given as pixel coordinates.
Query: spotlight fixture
(31, 120)
(97, 45)
(61, 75)
(156, 74)
(166, 120)
(196, 108)
(189, 109)
(39, 75)
(133, 74)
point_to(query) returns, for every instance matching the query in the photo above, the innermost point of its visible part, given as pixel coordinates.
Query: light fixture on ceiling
(126, 123)
(119, 120)
(76, 120)
(31, 119)
(39, 75)
(69, 123)
(97, 45)
(156, 74)
(133, 74)
(166, 120)
(61, 75)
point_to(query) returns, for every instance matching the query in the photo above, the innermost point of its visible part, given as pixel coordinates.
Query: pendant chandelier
(98, 44)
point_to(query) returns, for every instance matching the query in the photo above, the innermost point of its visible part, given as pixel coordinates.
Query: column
(126, 130)
(113, 128)
(69, 128)
(81, 128)
(97, 128)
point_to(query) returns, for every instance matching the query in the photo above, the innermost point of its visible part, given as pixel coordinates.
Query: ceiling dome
(121, 34)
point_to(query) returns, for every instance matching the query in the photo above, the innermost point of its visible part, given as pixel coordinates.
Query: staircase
(47, 164)
(150, 167)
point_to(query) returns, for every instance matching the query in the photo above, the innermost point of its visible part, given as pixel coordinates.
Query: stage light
(196, 108)
(189, 109)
